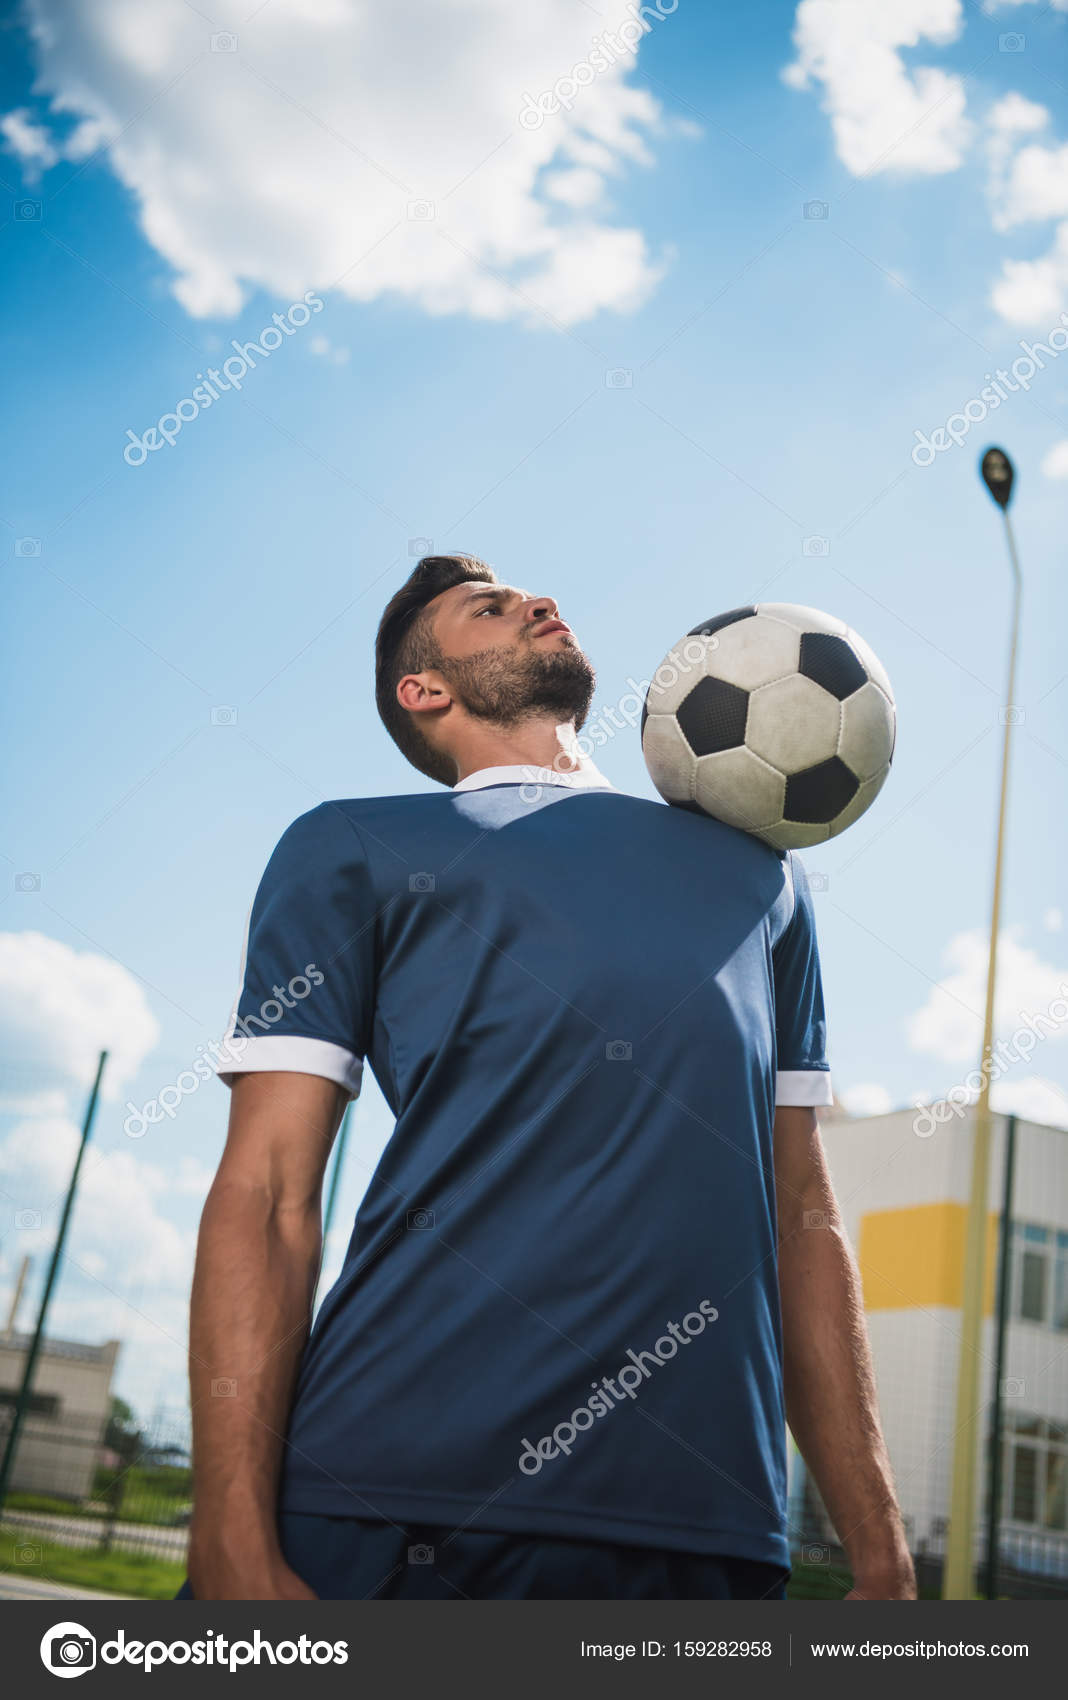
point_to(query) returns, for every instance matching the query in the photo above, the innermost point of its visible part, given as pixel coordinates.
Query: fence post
(23, 1400)
(993, 1527)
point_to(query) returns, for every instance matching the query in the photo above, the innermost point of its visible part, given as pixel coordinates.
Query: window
(1024, 1478)
(1033, 1287)
(1036, 1471)
(1039, 1273)
(38, 1404)
(1060, 1284)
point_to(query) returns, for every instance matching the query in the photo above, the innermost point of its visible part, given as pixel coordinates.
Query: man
(600, 1263)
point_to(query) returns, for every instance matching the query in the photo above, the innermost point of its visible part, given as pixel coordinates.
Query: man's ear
(420, 692)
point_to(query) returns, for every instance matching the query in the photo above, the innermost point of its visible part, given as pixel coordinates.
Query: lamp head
(998, 474)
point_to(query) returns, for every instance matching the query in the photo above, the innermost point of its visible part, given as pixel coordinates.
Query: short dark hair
(406, 644)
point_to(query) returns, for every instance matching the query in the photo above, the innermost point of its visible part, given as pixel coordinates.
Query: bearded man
(599, 1264)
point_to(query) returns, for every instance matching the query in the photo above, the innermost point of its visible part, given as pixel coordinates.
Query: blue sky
(188, 641)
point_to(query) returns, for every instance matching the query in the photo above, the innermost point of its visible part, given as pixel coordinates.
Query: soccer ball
(776, 719)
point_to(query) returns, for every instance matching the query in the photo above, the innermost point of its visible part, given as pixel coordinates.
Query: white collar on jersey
(582, 777)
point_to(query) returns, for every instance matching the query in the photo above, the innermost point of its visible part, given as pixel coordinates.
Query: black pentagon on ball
(818, 795)
(712, 716)
(718, 621)
(833, 663)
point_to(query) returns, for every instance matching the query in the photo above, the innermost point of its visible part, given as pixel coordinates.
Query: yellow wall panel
(915, 1256)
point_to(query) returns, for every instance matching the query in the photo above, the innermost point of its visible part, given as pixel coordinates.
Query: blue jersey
(559, 1310)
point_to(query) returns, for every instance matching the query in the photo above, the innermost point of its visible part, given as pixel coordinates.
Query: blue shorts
(352, 1558)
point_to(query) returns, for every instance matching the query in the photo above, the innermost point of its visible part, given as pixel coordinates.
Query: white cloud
(324, 349)
(950, 1025)
(48, 1101)
(885, 117)
(867, 1100)
(1036, 188)
(1014, 114)
(117, 1216)
(192, 1177)
(28, 141)
(1033, 292)
(59, 1008)
(580, 187)
(1032, 1098)
(1055, 465)
(309, 156)
(1028, 184)
(1007, 121)
(128, 1266)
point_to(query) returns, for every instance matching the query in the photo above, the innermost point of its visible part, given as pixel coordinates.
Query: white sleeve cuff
(289, 1054)
(803, 1086)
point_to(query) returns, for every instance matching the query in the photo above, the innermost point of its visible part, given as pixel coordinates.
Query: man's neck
(536, 743)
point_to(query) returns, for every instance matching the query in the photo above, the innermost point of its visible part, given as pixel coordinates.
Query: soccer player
(600, 1263)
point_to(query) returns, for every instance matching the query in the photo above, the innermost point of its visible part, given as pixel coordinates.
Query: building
(63, 1429)
(902, 1182)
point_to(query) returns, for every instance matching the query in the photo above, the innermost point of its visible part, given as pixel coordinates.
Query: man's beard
(507, 688)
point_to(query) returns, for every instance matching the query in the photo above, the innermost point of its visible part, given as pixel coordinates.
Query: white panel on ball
(803, 619)
(865, 796)
(791, 835)
(867, 734)
(739, 788)
(753, 652)
(793, 724)
(871, 661)
(685, 663)
(670, 758)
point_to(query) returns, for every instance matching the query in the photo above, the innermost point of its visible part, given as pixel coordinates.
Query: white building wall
(878, 1164)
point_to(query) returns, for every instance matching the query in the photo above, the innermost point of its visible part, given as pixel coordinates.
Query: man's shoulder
(338, 818)
(339, 821)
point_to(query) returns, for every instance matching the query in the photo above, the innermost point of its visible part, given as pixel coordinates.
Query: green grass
(144, 1577)
(47, 1502)
(148, 1496)
(151, 1578)
(829, 1582)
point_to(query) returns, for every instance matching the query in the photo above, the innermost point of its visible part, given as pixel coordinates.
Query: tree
(123, 1432)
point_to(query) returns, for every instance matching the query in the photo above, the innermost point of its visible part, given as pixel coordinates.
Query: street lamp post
(958, 1576)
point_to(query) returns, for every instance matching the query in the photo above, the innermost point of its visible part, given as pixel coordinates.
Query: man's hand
(829, 1382)
(889, 1578)
(258, 1255)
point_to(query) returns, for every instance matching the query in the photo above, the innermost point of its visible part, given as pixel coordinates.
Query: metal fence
(70, 1489)
(1021, 1428)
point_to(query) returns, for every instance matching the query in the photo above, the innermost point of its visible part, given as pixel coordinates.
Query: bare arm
(257, 1260)
(831, 1403)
